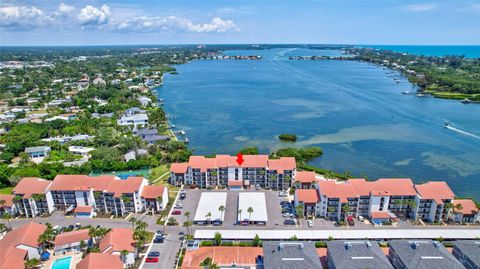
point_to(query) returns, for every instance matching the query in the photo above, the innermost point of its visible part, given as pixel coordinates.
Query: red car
(151, 259)
(176, 212)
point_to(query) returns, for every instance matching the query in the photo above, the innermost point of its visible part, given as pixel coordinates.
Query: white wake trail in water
(462, 132)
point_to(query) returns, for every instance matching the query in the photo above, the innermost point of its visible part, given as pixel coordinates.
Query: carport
(207, 210)
(256, 201)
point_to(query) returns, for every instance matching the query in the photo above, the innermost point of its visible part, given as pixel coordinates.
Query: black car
(183, 195)
(154, 254)
(289, 222)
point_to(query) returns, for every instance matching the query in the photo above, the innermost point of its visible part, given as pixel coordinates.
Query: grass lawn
(7, 190)
(158, 171)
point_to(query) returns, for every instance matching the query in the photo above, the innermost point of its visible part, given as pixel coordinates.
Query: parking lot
(272, 201)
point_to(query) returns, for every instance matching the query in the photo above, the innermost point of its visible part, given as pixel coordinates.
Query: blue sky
(81, 22)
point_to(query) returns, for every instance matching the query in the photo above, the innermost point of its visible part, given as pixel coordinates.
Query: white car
(310, 223)
(288, 215)
(282, 194)
(178, 206)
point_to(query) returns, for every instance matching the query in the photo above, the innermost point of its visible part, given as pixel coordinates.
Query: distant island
(288, 137)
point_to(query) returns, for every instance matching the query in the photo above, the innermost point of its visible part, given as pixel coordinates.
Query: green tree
(217, 238)
(32, 263)
(300, 210)
(250, 211)
(256, 240)
(221, 208)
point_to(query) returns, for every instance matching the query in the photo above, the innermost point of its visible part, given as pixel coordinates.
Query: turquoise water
(468, 51)
(124, 174)
(63, 263)
(355, 111)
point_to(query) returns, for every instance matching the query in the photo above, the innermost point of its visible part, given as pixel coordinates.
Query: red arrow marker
(240, 158)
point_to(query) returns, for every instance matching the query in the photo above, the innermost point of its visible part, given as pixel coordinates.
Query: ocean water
(354, 111)
(467, 50)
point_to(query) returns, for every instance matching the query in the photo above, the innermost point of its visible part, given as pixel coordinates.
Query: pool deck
(76, 258)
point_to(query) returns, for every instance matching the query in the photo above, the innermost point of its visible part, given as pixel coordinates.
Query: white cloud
(90, 15)
(64, 9)
(420, 7)
(22, 17)
(173, 23)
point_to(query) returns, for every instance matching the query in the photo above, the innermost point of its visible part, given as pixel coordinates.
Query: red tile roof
(100, 260)
(254, 161)
(380, 215)
(435, 190)
(235, 183)
(81, 182)
(384, 187)
(331, 189)
(31, 185)
(305, 177)
(284, 163)
(117, 240)
(307, 196)
(468, 205)
(101, 183)
(179, 168)
(8, 198)
(10, 255)
(72, 237)
(152, 192)
(395, 186)
(83, 209)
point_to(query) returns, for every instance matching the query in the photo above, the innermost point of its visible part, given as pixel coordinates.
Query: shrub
(207, 243)
(320, 244)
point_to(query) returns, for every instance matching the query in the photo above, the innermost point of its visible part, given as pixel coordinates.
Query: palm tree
(221, 208)
(250, 211)
(187, 224)
(32, 263)
(124, 254)
(457, 208)
(83, 245)
(208, 216)
(345, 210)
(448, 207)
(187, 215)
(133, 220)
(3, 227)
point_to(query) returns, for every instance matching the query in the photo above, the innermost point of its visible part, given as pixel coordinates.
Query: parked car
(289, 222)
(154, 254)
(183, 195)
(160, 232)
(284, 203)
(310, 223)
(350, 221)
(257, 187)
(288, 215)
(282, 194)
(178, 206)
(78, 226)
(70, 227)
(159, 239)
(176, 212)
(151, 259)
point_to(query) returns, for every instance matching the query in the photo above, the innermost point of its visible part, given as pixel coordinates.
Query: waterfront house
(134, 120)
(337, 200)
(33, 197)
(71, 241)
(356, 254)
(38, 152)
(467, 212)
(150, 135)
(290, 255)
(117, 240)
(100, 260)
(416, 254)
(145, 101)
(467, 252)
(20, 244)
(255, 170)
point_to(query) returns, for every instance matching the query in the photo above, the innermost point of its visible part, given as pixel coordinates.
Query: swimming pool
(63, 263)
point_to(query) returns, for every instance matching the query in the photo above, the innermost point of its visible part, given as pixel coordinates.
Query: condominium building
(380, 200)
(223, 170)
(32, 197)
(102, 194)
(431, 200)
